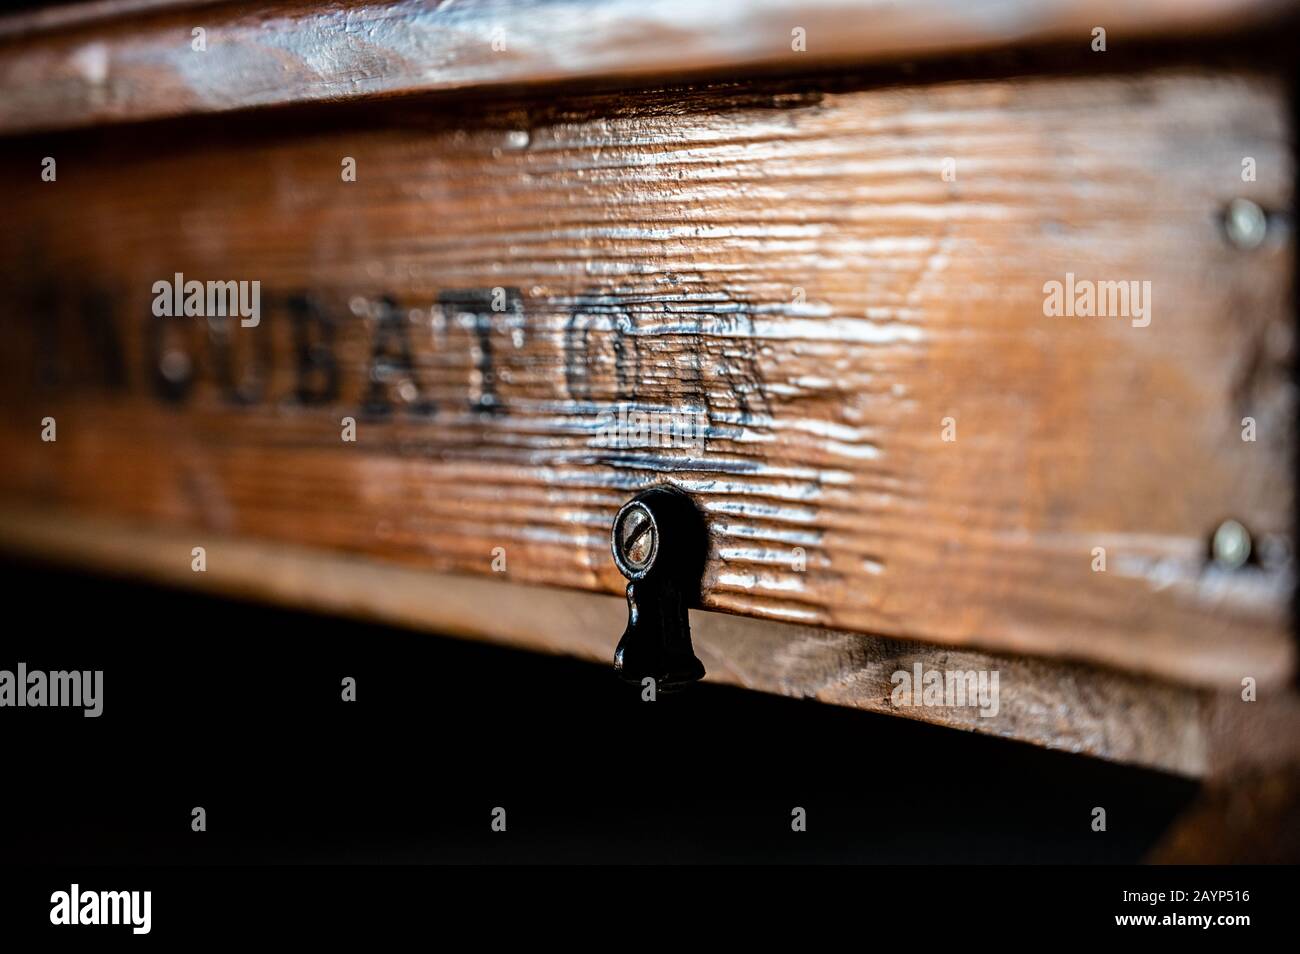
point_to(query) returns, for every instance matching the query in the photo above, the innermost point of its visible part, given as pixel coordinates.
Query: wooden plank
(786, 265)
(101, 63)
(1074, 708)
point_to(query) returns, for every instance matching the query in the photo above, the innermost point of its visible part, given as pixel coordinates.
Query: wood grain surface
(786, 264)
(131, 60)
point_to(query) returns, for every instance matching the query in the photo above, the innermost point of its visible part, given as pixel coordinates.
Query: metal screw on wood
(1245, 223)
(638, 537)
(1231, 546)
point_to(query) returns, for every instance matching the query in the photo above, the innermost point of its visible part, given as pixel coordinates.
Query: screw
(174, 365)
(1231, 545)
(636, 537)
(1245, 223)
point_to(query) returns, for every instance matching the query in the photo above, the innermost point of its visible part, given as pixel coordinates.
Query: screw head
(636, 539)
(174, 365)
(1231, 545)
(1245, 223)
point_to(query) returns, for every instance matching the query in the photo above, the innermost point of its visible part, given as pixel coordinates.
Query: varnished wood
(786, 261)
(110, 62)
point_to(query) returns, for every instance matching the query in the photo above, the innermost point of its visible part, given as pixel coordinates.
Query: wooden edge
(87, 64)
(64, 16)
(1065, 706)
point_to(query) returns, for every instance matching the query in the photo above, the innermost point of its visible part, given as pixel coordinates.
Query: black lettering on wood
(607, 314)
(171, 364)
(393, 379)
(480, 305)
(314, 331)
(98, 314)
(241, 357)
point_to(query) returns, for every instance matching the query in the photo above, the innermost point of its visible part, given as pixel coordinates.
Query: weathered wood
(1075, 708)
(786, 264)
(109, 62)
